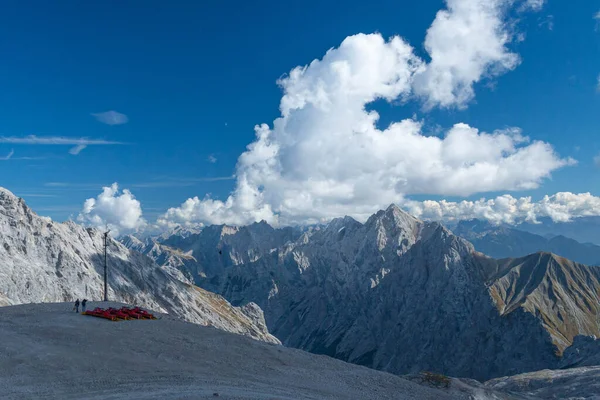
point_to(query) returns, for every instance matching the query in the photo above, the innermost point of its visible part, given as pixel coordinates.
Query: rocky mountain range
(45, 261)
(504, 242)
(402, 295)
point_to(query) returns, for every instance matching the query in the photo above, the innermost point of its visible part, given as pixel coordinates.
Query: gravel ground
(48, 351)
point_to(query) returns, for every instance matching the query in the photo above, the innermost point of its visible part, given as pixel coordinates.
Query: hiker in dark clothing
(77, 305)
(83, 303)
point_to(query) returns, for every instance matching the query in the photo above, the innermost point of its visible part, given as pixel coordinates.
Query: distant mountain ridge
(583, 229)
(402, 295)
(507, 242)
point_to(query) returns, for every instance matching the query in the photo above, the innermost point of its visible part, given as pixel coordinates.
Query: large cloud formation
(120, 211)
(326, 157)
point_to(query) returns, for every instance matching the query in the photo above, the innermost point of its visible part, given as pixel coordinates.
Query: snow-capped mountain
(45, 261)
(403, 295)
(505, 242)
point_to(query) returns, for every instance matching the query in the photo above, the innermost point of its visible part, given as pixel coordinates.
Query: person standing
(83, 303)
(77, 305)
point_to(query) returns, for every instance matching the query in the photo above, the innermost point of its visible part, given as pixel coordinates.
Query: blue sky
(194, 78)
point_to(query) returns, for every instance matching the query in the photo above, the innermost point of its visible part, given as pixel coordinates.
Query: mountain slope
(44, 261)
(564, 295)
(48, 352)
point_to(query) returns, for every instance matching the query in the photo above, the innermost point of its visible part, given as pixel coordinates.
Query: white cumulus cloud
(560, 207)
(111, 118)
(120, 210)
(466, 42)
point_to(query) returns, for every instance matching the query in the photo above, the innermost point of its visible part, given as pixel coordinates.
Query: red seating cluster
(124, 313)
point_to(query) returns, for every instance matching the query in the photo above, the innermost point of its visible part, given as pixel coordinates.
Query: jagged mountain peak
(261, 223)
(396, 212)
(393, 228)
(259, 228)
(394, 215)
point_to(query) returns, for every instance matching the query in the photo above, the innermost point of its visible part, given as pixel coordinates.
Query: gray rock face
(44, 261)
(218, 247)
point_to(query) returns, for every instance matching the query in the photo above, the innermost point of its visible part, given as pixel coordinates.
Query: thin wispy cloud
(533, 5)
(111, 118)
(597, 18)
(8, 156)
(55, 140)
(159, 183)
(79, 143)
(212, 159)
(206, 179)
(178, 182)
(60, 209)
(597, 160)
(150, 185)
(56, 184)
(77, 149)
(73, 186)
(547, 22)
(36, 195)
